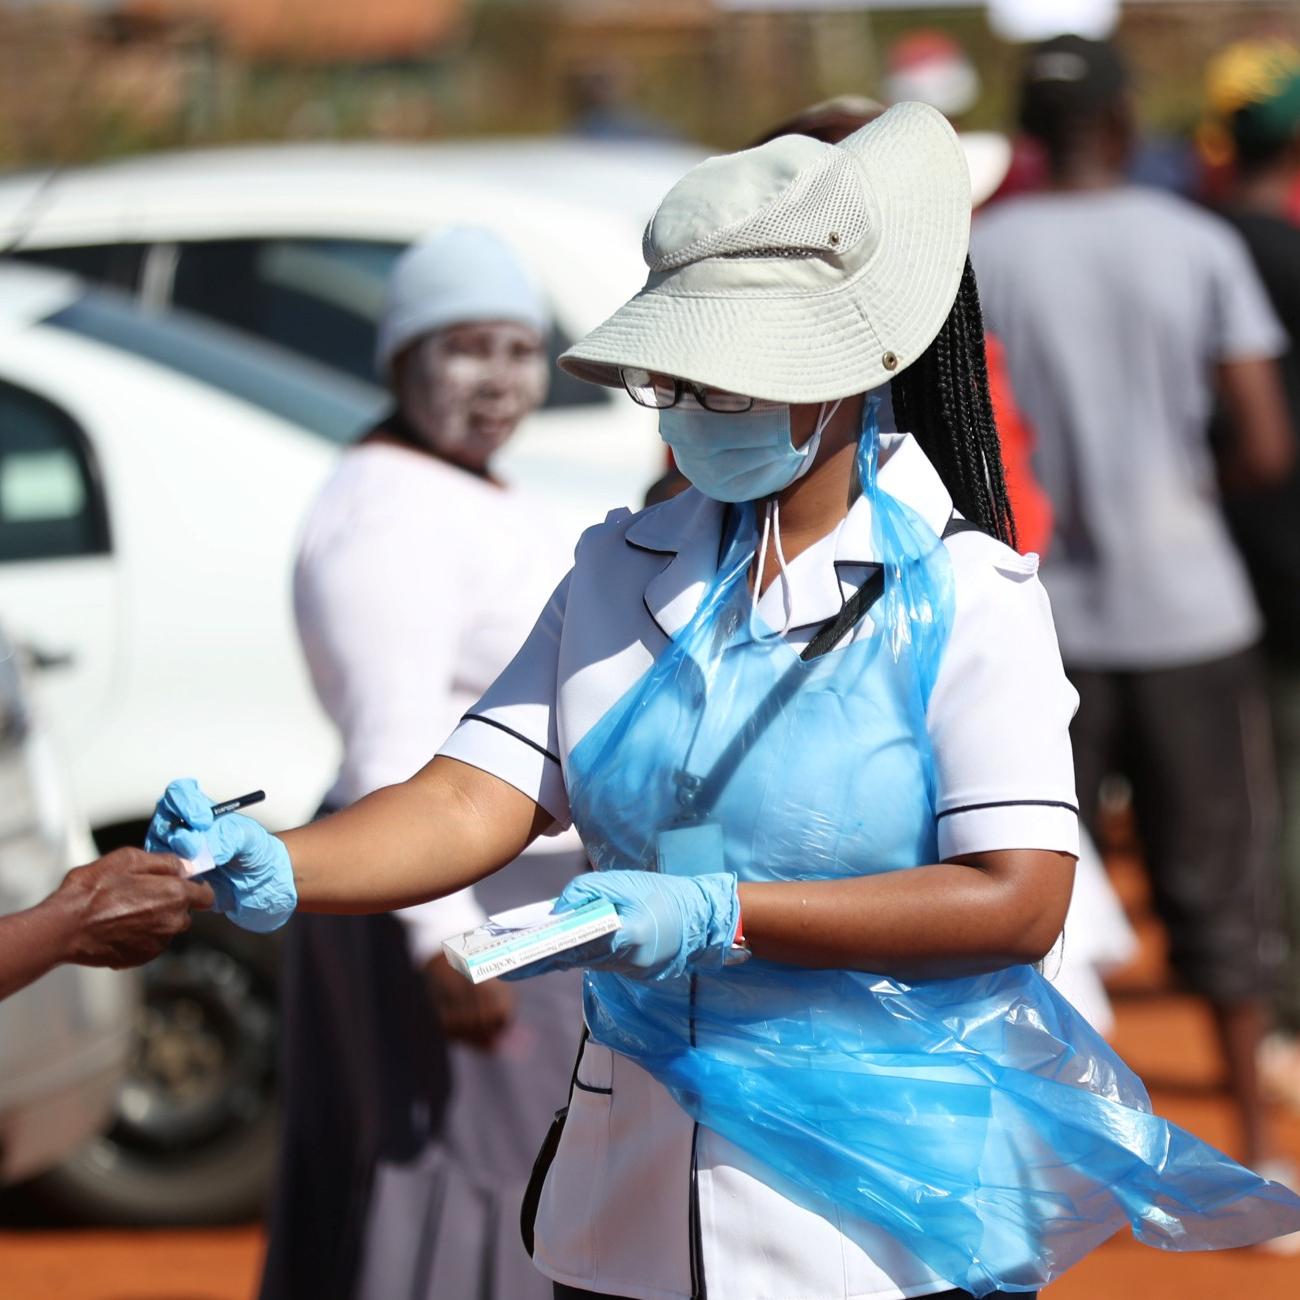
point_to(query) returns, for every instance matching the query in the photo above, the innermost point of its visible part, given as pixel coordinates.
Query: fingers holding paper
(668, 926)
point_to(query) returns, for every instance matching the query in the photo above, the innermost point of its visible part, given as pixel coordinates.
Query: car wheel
(193, 1138)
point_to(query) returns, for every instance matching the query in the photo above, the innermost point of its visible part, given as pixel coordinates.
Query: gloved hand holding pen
(668, 925)
(252, 878)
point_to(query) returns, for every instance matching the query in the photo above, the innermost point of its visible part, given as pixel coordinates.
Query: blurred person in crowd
(121, 910)
(930, 66)
(1262, 133)
(1237, 78)
(1097, 935)
(600, 105)
(1122, 310)
(415, 1104)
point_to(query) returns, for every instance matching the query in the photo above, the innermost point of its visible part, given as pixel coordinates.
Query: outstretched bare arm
(445, 828)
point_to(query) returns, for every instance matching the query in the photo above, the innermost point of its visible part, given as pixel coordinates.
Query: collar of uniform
(906, 474)
(688, 528)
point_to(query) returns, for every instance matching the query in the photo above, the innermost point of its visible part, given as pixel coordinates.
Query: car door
(58, 583)
(64, 1040)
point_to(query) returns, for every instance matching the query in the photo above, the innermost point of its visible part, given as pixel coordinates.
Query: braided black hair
(942, 399)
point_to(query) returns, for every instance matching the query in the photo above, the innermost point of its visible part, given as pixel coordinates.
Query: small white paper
(204, 862)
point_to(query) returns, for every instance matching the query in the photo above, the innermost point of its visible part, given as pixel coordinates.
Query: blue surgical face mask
(740, 457)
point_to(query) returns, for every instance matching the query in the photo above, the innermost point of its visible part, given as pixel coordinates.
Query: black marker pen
(234, 805)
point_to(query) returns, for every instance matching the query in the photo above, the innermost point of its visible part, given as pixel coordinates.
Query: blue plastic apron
(980, 1121)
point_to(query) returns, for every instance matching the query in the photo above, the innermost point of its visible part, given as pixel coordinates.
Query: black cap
(1069, 78)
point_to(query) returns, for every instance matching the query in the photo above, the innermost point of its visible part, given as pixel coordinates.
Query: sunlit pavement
(1165, 1037)
(216, 1264)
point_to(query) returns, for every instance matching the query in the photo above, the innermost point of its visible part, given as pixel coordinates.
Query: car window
(51, 505)
(118, 265)
(321, 298)
(330, 405)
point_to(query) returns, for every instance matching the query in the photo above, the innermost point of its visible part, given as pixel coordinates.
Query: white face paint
(464, 389)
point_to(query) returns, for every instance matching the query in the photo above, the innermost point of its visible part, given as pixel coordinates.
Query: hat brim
(832, 343)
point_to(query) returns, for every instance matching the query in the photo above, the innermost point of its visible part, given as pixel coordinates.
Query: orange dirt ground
(1164, 1036)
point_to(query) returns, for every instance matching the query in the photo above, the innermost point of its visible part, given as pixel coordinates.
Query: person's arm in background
(1261, 449)
(121, 910)
(1246, 340)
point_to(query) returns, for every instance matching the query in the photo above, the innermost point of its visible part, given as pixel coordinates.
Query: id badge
(691, 849)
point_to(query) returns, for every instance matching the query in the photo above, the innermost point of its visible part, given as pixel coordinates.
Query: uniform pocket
(595, 1072)
(570, 1195)
(537, 1179)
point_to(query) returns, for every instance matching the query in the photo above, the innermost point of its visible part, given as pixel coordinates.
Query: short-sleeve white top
(637, 1191)
(415, 584)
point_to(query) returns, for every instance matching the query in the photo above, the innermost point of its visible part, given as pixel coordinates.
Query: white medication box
(512, 939)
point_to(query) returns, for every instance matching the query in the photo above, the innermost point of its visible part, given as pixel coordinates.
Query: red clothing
(1029, 503)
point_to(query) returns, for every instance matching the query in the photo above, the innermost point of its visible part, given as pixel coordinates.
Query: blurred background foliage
(101, 78)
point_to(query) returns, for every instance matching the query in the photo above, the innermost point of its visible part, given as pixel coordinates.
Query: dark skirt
(403, 1158)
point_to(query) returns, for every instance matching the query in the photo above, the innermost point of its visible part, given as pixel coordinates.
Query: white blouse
(415, 584)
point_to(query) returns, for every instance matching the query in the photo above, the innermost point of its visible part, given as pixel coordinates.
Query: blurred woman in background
(415, 1100)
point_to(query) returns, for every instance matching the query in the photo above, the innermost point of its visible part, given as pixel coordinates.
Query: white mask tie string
(760, 561)
(772, 529)
(787, 591)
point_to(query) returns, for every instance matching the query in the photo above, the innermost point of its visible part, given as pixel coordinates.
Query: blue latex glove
(668, 925)
(252, 880)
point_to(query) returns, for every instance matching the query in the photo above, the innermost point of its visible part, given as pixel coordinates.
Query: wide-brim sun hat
(988, 153)
(798, 271)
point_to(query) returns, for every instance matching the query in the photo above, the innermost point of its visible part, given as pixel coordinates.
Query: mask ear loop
(760, 560)
(772, 526)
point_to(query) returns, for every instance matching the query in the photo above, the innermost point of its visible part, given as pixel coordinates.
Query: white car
(293, 243)
(66, 1039)
(150, 466)
(153, 475)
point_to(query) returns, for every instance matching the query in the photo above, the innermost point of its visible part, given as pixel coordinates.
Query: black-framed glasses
(659, 391)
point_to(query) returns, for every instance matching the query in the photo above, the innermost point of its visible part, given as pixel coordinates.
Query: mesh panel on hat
(823, 211)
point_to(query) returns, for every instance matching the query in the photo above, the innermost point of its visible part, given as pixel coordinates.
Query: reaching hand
(253, 877)
(668, 925)
(477, 1014)
(128, 906)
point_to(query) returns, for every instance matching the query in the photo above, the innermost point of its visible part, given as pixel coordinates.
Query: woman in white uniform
(810, 712)
(396, 591)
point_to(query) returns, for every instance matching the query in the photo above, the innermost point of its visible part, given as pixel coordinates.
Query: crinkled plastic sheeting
(979, 1120)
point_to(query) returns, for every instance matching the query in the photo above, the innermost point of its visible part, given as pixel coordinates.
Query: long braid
(942, 399)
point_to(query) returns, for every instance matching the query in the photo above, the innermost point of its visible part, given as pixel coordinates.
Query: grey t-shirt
(1114, 306)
